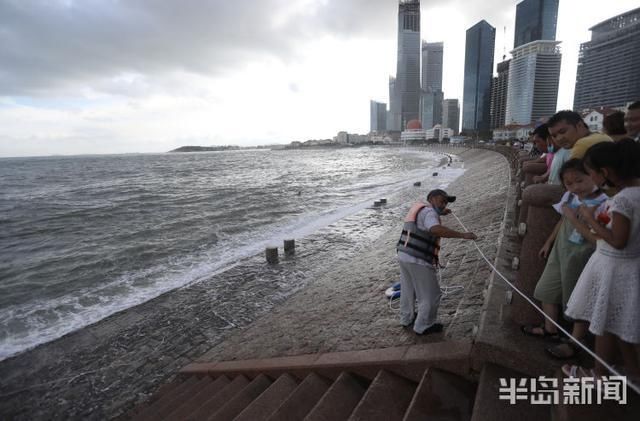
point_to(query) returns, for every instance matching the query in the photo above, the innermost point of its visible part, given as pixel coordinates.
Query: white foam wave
(47, 320)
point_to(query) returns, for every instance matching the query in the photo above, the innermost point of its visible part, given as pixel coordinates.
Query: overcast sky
(119, 76)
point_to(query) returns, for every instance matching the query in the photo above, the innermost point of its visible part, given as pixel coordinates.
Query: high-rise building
(432, 96)
(535, 20)
(451, 115)
(499, 89)
(478, 72)
(378, 116)
(432, 55)
(393, 115)
(609, 65)
(407, 84)
(431, 107)
(534, 77)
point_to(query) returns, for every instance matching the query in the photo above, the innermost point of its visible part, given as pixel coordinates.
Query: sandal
(564, 351)
(576, 371)
(530, 330)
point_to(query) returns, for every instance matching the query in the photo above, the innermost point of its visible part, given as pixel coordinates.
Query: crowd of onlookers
(591, 278)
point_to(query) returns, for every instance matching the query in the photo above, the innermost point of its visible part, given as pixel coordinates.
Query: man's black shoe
(434, 328)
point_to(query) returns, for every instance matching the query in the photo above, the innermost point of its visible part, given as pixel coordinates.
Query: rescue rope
(634, 387)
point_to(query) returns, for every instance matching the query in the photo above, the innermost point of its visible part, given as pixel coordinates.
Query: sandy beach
(107, 368)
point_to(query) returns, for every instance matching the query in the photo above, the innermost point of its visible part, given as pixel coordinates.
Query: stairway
(331, 392)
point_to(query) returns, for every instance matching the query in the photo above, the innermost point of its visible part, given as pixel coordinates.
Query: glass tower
(378, 116)
(535, 20)
(478, 73)
(432, 54)
(609, 64)
(534, 77)
(407, 84)
(432, 96)
(451, 115)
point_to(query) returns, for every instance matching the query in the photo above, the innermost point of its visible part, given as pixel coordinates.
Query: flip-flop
(577, 372)
(528, 330)
(554, 350)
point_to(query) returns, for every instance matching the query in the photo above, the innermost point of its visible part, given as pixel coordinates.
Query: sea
(84, 237)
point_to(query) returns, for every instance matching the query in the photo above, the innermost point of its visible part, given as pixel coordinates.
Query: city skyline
(139, 76)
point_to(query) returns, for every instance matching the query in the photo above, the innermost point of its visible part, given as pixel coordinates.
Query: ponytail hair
(622, 156)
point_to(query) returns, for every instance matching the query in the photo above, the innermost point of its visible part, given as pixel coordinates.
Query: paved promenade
(345, 309)
(102, 370)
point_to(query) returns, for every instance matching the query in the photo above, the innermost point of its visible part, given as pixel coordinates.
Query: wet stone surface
(328, 297)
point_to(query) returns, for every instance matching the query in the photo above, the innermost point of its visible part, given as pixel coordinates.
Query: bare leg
(553, 311)
(569, 348)
(630, 357)
(605, 349)
(580, 329)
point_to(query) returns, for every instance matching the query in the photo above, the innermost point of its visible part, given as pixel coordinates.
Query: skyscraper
(431, 107)
(535, 20)
(432, 55)
(378, 116)
(393, 116)
(432, 96)
(609, 64)
(451, 115)
(478, 71)
(534, 76)
(407, 84)
(499, 89)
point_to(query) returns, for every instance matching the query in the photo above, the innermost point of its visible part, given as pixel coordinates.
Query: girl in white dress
(607, 293)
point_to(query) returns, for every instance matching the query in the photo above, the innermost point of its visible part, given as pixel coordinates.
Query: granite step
(194, 402)
(302, 399)
(340, 400)
(162, 391)
(176, 400)
(266, 404)
(159, 406)
(387, 398)
(215, 402)
(489, 406)
(239, 402)
(442, 395)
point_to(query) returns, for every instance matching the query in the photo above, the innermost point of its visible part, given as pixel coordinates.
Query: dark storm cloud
(48, 45)
(45, 44)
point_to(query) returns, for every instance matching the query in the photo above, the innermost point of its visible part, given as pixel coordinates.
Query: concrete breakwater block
(289, 247)
(417, 184)
(272, 255)
(383, 201)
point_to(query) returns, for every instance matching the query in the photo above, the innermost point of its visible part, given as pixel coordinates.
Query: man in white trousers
(418, 250)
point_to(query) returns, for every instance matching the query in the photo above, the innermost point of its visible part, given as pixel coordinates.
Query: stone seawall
(346, 310)
(102, 370)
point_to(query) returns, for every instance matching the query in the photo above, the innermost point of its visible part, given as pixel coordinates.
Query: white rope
(446, 290)
(580, 344)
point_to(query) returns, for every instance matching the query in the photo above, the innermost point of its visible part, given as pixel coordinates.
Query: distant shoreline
(205, 148)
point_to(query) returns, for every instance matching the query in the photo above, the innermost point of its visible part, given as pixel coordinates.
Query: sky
(136, 76)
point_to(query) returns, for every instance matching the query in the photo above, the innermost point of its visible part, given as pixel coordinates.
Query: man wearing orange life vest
(418, 250)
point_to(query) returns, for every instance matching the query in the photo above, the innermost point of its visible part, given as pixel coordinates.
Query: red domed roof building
(413, 133)
(414, 125)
